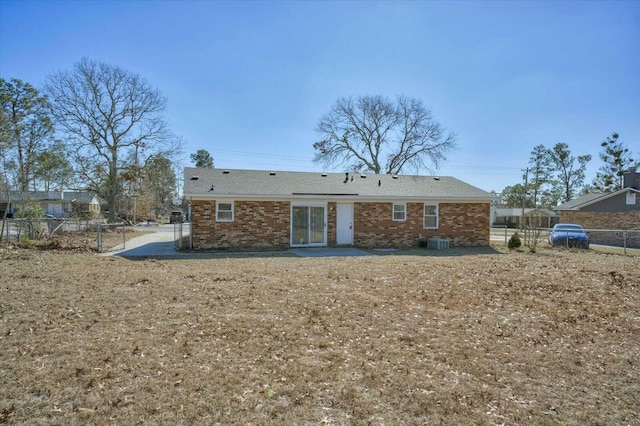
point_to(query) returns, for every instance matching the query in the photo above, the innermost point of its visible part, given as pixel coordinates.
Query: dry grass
(550, 338)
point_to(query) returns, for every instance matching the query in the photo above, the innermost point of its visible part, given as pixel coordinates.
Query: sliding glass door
(308, 225)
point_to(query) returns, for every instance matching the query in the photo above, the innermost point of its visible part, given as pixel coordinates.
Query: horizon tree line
(101, 128)
(554, 175)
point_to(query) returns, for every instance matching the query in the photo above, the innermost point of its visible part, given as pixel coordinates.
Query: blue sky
(248, 81)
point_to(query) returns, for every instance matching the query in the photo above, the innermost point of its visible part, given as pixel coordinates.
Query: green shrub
(514, 241)
(26, 242)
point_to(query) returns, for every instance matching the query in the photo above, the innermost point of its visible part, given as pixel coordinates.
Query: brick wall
(463, 224)
(262, 225)
(332, 217)
(257, 225)
(606, 220)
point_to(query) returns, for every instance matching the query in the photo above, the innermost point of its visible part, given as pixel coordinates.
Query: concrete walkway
(328, 252)
(160, 244)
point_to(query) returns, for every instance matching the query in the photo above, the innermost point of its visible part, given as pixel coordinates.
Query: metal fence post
(177, 235)
(99, 239)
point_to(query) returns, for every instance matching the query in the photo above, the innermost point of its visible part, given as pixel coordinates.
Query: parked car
(176, 216)
(568, 235)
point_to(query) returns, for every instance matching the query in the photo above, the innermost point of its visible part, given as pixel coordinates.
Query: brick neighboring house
(617, 211)
(262, 210)
(56, 203)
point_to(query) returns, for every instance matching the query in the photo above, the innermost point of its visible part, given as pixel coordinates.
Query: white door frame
(324, 225)
(344, 223)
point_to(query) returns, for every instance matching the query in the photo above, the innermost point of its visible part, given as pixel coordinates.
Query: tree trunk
(112, 187)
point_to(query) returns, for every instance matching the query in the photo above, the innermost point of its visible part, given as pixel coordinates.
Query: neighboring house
(59, 204)
(262, 210)
(617, 211)
(511, 217)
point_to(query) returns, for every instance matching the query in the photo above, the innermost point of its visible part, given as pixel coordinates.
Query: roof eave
(604, 197)
(339, 196)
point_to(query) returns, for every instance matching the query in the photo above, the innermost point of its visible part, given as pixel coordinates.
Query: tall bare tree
(26, 127)
(373, 134)
(110, 116)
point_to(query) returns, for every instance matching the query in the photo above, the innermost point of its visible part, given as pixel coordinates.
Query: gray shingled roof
(265, 184)
(75, 196)
(517, 211)
(572, 204)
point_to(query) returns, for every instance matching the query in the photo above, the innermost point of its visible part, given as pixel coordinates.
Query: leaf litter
(503, 338)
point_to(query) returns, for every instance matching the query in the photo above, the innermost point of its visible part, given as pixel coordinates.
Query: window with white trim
(399, 212)
(224, 211)
(631, 198)
(430, 216)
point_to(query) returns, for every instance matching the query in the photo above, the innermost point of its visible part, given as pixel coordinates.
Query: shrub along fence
(625, 238)
(32, 231)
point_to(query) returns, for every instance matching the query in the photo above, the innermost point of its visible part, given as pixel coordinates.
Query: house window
(430, 216)
(224, 212)
(399, 212)
(631, 198)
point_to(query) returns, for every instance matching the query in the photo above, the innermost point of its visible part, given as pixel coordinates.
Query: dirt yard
(487, 339)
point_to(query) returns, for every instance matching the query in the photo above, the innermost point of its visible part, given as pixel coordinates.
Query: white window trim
(424, 208)
(404, 211)
(218, 211)
(631, 198)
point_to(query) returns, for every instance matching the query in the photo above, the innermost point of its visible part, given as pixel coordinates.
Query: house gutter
(323, 196)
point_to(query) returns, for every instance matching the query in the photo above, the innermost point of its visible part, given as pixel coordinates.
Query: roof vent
(394, 176)
(323, 175)
(436, 178)
(272, 173)
(225, 172)
(363, 176)
(195, 177)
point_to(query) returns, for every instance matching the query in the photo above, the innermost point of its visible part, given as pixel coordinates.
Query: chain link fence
(178, 236)
(623, 238)
(182, 236)
(34, 231)
(626, 238)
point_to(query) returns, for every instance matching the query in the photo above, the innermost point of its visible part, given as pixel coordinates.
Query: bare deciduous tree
(111, 116)
(372, 134)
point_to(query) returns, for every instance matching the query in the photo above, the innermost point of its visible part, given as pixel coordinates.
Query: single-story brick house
(262, 210)
(56, 203)
(616, 211)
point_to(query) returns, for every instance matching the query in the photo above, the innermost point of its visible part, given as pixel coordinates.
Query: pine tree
(617, 160)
